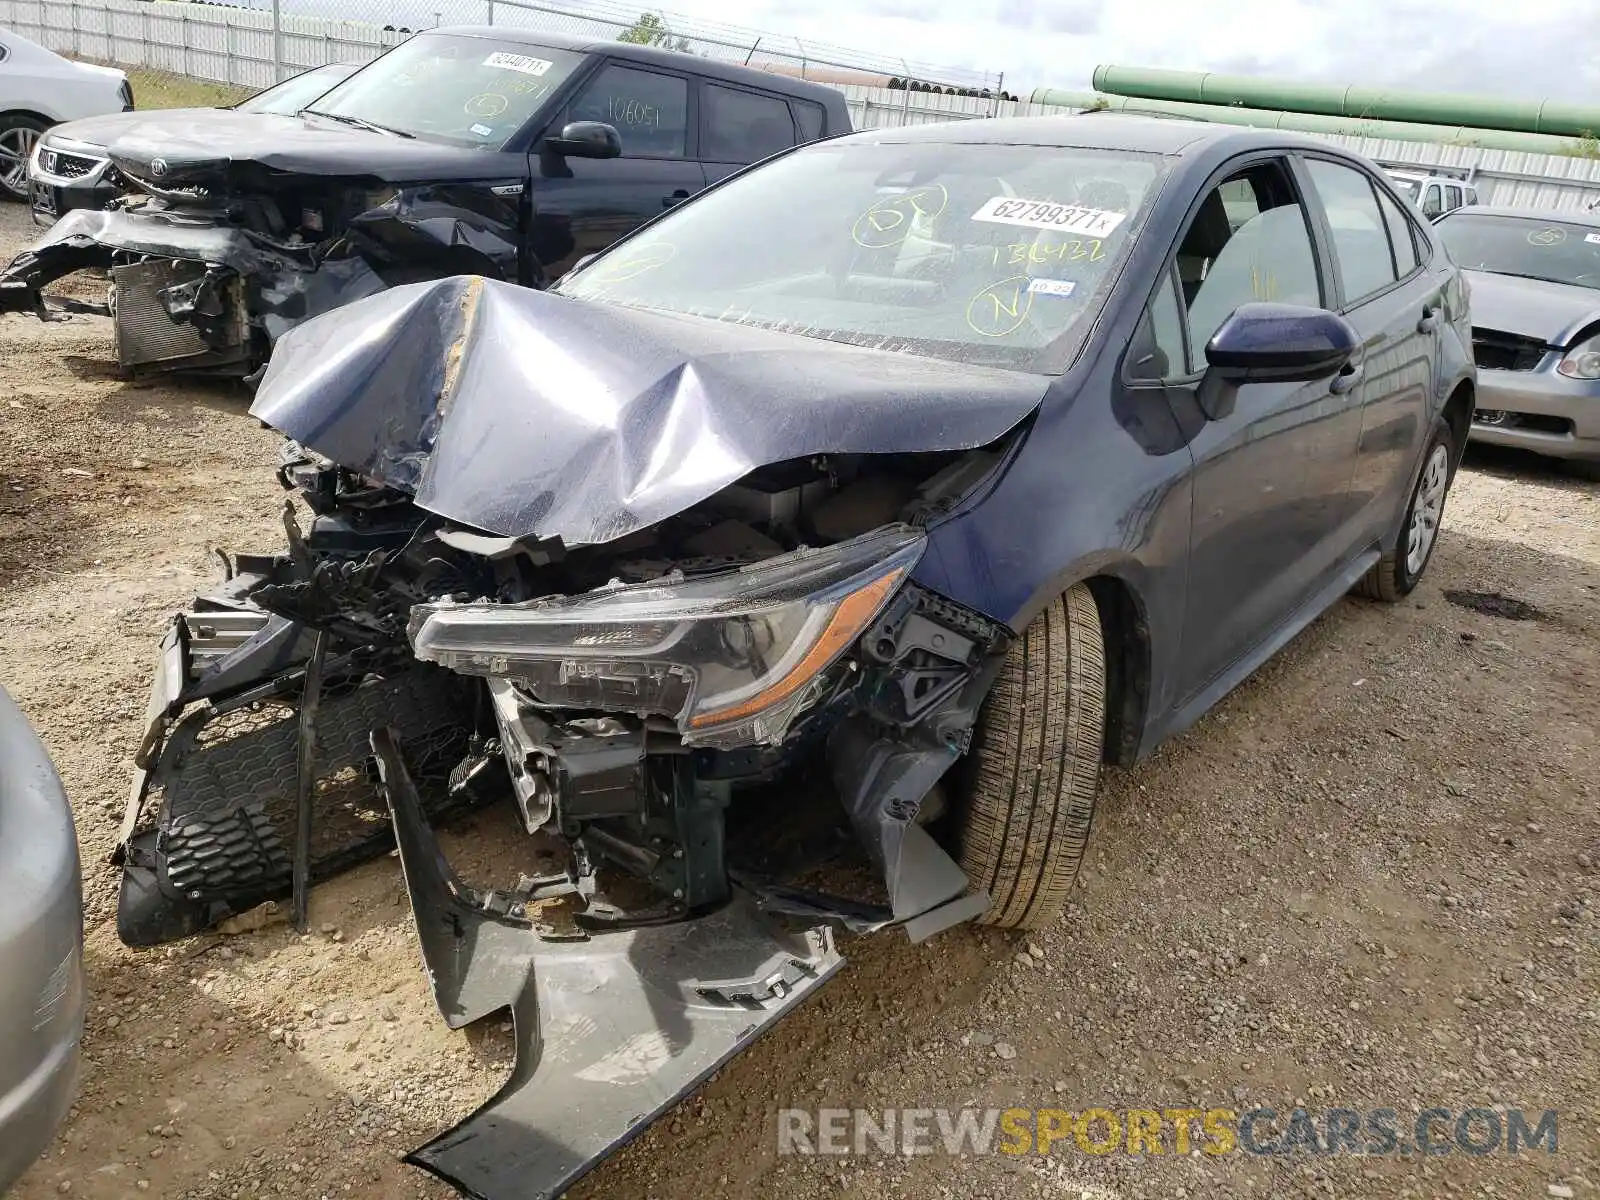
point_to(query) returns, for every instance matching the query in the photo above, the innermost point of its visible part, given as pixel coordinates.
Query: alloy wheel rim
(1427, 509)
(16, 147)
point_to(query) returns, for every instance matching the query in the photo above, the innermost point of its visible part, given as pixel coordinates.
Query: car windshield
(1532, 247)
(462, 90)
(290, 96)
(979, 253)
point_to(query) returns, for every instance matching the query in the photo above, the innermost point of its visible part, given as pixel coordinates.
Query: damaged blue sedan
(794, 564)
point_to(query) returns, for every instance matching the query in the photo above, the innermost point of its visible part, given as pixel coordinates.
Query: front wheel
(18, 135)
(1036, 766)
(1394, 575)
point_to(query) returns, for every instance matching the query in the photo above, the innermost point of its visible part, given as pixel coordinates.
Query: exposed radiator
(146, 335)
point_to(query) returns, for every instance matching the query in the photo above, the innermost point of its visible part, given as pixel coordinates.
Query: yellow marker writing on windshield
(627, 264)
(1000, 308)
(888, 221)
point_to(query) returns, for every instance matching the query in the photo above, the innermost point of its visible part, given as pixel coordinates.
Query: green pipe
(1336, 100)
(1449, 135)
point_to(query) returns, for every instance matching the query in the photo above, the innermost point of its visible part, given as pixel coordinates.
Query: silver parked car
(41, 947)
(1535, 284)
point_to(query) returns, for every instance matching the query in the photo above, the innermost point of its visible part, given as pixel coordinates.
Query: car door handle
(1430, 320)
(1347, 379)
(677, 197)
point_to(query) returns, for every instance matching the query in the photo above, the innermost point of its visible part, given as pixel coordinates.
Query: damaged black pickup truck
(793, 566)
(484, 151)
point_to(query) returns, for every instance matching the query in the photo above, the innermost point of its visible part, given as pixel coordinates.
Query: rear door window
(1452, 197)
(1401, 236)
(1360, 235)
(742, 127)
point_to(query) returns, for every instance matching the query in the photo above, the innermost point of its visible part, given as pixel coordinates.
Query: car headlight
(1582, 361)
(732, 657)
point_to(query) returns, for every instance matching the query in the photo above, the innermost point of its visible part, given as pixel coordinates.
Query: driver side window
(650, 111)
(1249, 241)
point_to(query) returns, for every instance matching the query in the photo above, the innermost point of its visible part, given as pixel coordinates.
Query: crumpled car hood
(199, 144)
(1554, 312)
(530, 415)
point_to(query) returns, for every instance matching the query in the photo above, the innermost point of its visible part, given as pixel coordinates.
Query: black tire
(17, 135)
(1392, 577)
(1036, 766)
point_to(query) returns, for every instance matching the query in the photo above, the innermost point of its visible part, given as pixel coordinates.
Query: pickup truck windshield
(464, 91)
(980, 253)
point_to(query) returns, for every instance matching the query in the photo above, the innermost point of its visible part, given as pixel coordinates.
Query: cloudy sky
(1447, 45)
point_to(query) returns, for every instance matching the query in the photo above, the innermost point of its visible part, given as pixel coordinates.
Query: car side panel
(1098, 489)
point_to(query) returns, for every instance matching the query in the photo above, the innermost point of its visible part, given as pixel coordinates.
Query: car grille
(1499, 351)
(66, 166)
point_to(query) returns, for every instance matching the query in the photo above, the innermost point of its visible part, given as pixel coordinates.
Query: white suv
(1435, 195)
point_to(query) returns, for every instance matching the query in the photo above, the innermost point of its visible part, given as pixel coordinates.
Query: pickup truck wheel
(1036, 765)
(1394, 575)
(17, 137)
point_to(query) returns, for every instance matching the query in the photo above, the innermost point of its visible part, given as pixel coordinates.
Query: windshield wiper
(1525, 275)
(369, 126)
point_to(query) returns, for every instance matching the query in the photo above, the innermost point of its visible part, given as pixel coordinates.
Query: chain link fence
(257, 42)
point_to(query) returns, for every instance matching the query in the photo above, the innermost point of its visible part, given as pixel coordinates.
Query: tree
(651, 30)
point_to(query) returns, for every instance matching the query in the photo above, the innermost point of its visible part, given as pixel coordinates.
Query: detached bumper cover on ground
(660, 604)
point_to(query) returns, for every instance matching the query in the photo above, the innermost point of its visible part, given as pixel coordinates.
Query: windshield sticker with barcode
(1045, 214)
(1592, 238)
(527, 64)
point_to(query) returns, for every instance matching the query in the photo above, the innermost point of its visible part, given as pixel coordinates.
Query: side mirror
(1282, 343)
(586, 139)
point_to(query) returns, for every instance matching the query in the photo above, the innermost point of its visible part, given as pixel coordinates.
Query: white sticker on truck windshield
(518, 62)
(1046, 214)
(1592, 238)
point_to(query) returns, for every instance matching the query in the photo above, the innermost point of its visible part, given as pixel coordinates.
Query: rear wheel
(18, 135)
(1036, 766)
(1394, 575)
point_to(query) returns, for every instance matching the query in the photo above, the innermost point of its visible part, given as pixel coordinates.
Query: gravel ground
(1367, 879)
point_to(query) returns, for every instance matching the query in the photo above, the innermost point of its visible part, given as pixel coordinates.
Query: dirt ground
(1367, 879)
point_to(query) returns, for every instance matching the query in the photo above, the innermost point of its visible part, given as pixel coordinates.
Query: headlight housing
(732, 657)
(1582, 361)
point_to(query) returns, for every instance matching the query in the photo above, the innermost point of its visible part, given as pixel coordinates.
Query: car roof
(1095, 130)
(1589, 220)
(709, 67)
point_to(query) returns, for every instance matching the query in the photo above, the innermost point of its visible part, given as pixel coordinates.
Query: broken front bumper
(617, 1014)
(209, 829)
(611, 1028)
(186, 291)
